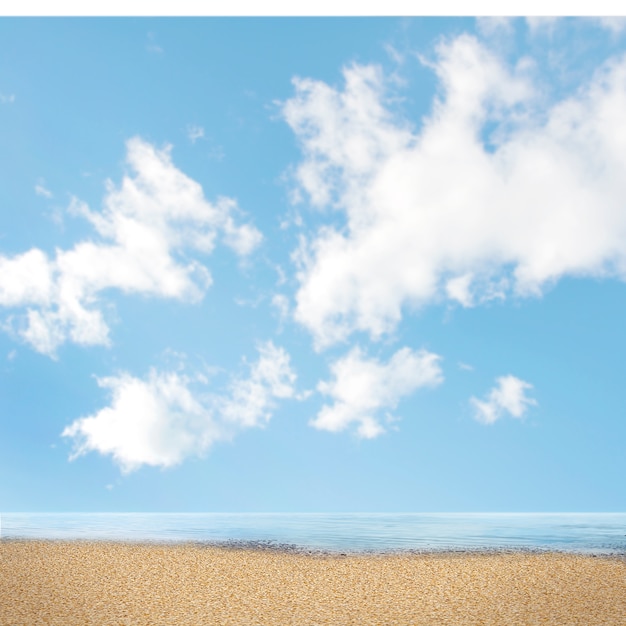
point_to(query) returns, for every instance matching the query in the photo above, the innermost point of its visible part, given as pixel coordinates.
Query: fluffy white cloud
(147, 228)
(163, 419)
(362, 387)
(24, 278)
(508, 396)
(156, 421)
(496, 193)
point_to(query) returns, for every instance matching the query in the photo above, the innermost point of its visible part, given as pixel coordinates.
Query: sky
(312, 264)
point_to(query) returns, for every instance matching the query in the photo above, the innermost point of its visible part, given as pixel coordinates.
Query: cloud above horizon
(146, 230)
(168, 416)
(362, 387)
(507, 397)
(496, 194)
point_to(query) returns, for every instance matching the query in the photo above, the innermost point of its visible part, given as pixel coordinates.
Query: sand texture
(83, 583)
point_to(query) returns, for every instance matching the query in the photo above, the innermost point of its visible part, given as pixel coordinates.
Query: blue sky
(308, 264)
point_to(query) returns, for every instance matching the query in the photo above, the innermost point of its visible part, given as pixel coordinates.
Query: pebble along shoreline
(80, 582)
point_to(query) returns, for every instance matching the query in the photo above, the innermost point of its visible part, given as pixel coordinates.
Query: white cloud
(157, 421)
(25, 278)
(281, 303)
(195, 132)
(458, 288)
(7, 98)
(542, 24)
(152, 45)
(508, 396)
(614, 24)
(242, 238)
(495, 25)
(362, 387)
(396, 56)
(148, 229)
(496, 194)
(546, 25)
(163, 419)
(250, 401)
(41, 190)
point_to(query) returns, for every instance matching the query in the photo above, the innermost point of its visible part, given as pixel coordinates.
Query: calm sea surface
(592, 533)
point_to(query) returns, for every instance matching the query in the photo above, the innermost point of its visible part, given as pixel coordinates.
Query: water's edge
(297, 550)
(336, 534)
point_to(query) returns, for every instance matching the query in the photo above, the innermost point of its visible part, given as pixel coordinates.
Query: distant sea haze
(588, 533)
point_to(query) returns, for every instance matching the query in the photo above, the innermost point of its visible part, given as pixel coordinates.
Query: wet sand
(84, 583)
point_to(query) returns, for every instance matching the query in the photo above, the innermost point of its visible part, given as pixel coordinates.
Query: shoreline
(103, 582)
(271, 546)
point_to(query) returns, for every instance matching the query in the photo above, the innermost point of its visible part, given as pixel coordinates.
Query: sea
(586, 533)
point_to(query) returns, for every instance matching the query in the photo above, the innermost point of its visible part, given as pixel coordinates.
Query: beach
(77, 582)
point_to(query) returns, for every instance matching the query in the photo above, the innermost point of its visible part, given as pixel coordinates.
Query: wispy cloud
(7, 98)
(542, 25)
(393, 53)
(195, 132)
(151, 44)
(41, 190)
(249, 401)
(280, 302)
(507, 397)
(362, 387)
(614, 24)
(495, 25)
(166, 417)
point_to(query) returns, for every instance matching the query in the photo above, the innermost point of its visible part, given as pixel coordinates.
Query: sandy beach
(69, 583)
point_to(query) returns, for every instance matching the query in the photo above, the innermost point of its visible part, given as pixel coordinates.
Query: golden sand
(83, 583)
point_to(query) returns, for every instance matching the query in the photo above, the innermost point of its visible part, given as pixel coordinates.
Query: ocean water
(589, 533)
